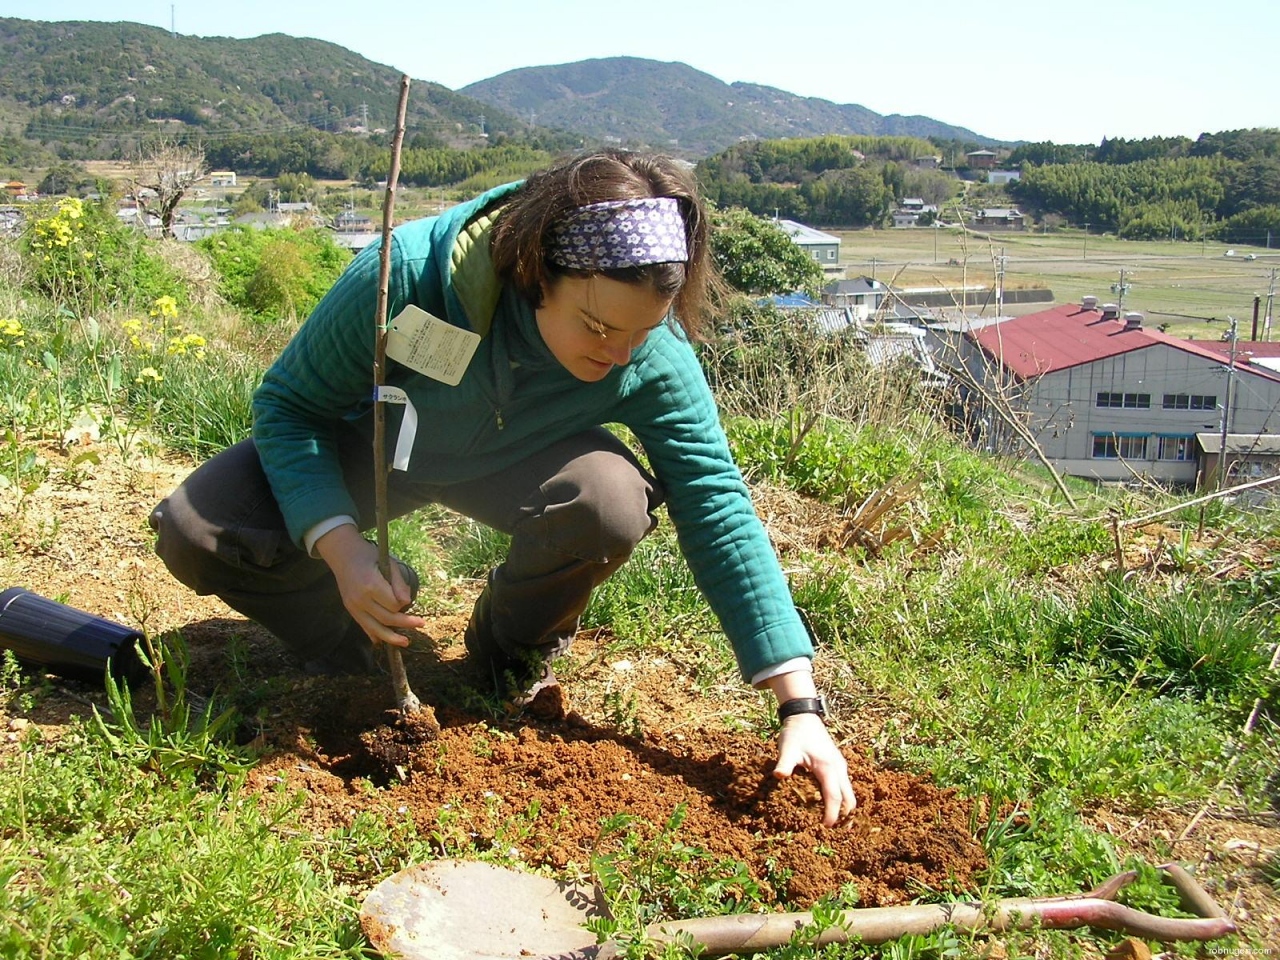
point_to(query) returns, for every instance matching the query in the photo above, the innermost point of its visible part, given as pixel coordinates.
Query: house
(1250, 456)
(863, 295)
(349, 221)
(999, 218)
(910, 210)
(822, 247)
(11, 221)
(1004, 176)
(882, 343)
(223, 178)
(355, 241)
(15, 188)
(928, 163)
(1105, 396)
(981, 159)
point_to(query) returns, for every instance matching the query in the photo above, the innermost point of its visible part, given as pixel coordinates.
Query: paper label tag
(408, 426)
(430, 346)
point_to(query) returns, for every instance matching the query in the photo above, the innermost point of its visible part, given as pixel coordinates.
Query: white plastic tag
(408, 425)
(430, 346)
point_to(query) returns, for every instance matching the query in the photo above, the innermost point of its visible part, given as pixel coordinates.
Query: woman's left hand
(806, 743)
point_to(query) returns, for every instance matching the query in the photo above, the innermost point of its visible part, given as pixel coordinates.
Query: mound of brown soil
(541, 792)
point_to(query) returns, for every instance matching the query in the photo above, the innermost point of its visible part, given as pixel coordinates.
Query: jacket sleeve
(323, 376)
(733, 563)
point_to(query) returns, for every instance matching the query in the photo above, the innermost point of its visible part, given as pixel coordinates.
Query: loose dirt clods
(481, 779)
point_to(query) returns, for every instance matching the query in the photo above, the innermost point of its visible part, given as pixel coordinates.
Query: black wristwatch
(789, 708)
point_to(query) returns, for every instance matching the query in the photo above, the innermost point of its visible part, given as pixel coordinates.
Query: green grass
(1016, 672)
(100, 858)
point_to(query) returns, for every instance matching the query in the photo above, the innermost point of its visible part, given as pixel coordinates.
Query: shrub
(275, 273)
(84, 259)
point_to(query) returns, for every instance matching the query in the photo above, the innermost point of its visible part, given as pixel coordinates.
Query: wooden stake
(406, 700)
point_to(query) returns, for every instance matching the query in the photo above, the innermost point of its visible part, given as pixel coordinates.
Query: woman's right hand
(373, 603)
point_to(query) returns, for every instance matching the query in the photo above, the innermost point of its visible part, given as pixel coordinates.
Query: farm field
(1191, 287)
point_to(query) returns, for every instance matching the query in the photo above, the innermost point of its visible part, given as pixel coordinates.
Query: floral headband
(620, 233)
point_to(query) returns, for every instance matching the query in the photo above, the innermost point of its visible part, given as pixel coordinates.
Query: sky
(1040, 70)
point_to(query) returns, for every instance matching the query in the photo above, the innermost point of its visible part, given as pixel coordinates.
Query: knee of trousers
(599, 510)
(188, 545)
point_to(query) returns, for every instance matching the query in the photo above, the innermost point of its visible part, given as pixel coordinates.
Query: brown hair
(519, 242)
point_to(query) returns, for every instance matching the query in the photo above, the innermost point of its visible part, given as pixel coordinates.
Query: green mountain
(79, 81)
(674, 106)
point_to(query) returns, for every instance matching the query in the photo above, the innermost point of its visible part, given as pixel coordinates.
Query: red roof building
(1108, 398)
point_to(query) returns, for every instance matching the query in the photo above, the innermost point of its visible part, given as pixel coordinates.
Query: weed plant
(101, 859)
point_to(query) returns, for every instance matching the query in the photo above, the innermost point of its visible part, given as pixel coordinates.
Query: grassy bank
(969, 627)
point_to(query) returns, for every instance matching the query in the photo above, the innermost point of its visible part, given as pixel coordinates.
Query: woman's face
(591, 324)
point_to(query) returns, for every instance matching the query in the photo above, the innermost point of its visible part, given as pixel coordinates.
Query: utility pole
(1271, 296)
(1226, 407)
(364, 116)
(1086, 240)
(1000, 262)
(1121, 288)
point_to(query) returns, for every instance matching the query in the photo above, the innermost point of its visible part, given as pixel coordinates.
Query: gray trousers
(575, 511)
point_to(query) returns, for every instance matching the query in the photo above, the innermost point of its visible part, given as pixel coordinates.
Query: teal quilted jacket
(513, 398)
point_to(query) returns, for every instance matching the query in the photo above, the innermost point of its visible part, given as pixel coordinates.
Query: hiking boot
(524, 681)
(542, 699)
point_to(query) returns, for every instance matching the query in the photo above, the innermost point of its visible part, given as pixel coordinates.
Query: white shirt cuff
(320, 529)
(795, 665)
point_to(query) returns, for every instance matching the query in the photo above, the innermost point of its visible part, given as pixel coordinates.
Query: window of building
(1111, 446)
(1190, 401)
(831, 254)
(1131, 401)
(817, 254)
(1177, 448)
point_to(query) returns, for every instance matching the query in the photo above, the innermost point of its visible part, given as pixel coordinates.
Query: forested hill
(674, 106)
(74, 81)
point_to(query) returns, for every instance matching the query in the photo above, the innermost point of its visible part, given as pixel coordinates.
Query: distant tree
(1120, 150)
(297, 188)
(931, 186)
(1250, 183)
(162, 173)
(1260, 225)
(756, 256)
(64, 179)
(1046, 152)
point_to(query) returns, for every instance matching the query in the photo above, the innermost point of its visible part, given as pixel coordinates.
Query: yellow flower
(149, 374)
(165, 307)
(192, 342)
(11, 328)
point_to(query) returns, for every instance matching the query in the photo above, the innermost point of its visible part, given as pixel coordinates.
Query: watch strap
(789, 708)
